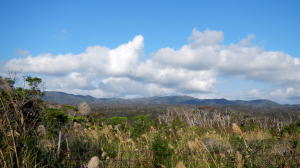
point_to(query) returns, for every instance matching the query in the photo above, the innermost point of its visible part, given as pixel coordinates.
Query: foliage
(117, 121)
(33, 82)
(78, 119)
(291, 129)
(162, 152)
(250, 126)
(54, 119)
(140, 125)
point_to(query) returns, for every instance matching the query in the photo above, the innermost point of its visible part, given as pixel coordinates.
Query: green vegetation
(54, 119)
(37, 134)
(162, 153)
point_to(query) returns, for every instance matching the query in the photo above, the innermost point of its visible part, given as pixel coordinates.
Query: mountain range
(65, 98)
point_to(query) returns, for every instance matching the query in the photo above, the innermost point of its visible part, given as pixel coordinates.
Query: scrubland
(34, 133)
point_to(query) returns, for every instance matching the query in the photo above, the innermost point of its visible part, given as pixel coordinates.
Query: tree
(33, 82)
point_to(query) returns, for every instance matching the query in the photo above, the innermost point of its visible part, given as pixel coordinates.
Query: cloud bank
(193, 69)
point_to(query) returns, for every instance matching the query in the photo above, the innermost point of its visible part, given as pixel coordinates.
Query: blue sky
(33, 28)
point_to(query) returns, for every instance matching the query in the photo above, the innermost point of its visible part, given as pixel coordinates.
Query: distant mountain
(65, 98)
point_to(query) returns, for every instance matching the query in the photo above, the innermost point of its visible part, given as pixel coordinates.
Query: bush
(117, 120)
(250, 126)
(54, 119)
(291, 129)
(140, 125)
(78, 119)
(162, 154)
(177, 123)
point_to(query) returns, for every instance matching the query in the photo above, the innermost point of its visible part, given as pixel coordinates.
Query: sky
(206, 49)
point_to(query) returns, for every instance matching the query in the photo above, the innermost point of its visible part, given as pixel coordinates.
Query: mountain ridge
(66, 98)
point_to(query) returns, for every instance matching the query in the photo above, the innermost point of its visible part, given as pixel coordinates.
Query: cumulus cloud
(241, 59)
(192, 69)
(97, 58)
(257, 64)
(201, 53)
(176, 77)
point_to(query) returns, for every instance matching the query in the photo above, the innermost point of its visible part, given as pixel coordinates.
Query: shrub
(71, 110)
(162, 154)
(177, 123)
(78, 119)
(54, 119)
(117, 120)
(140, 125)
(293, 128)
(250, 126)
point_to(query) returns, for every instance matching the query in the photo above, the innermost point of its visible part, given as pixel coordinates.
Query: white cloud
(241, 59)
(44, 64)
(184, 80)
(257, 64)
(111, 61)
(286, 93)
(74, 80)
(192, 69)
(206, 38)
(247, 41)
(132, 88)
(255, 94)
(201, 53)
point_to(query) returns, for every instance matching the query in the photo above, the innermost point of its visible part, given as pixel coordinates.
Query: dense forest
(36, 133)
